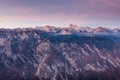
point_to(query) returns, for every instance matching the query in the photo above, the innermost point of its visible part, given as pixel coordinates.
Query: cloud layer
(56, 12)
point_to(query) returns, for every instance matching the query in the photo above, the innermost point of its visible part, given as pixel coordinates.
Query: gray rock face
(37, 54)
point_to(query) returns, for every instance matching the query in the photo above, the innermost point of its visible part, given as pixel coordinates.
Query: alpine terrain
(53, 53)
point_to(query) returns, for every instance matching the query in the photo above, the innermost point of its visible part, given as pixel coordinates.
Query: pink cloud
(24, 9)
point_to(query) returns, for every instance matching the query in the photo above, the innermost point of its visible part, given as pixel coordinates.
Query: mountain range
(54, 53)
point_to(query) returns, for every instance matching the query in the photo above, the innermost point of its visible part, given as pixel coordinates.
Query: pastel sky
(31, 13)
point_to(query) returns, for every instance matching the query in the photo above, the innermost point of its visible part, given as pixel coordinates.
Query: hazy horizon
(30, 13)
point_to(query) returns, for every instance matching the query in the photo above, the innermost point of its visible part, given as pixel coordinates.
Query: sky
(59, 13)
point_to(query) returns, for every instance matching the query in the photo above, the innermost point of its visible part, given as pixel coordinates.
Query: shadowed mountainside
(50, 53)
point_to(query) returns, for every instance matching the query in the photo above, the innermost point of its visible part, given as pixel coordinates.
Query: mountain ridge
(71, 28)
(38, 54)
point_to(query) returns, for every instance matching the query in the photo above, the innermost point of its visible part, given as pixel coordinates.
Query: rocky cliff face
(40, 54)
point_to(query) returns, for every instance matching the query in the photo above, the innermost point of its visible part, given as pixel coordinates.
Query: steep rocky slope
(60, 54)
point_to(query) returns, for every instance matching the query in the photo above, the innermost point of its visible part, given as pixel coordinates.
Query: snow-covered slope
(77, 29)
(50, 53)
